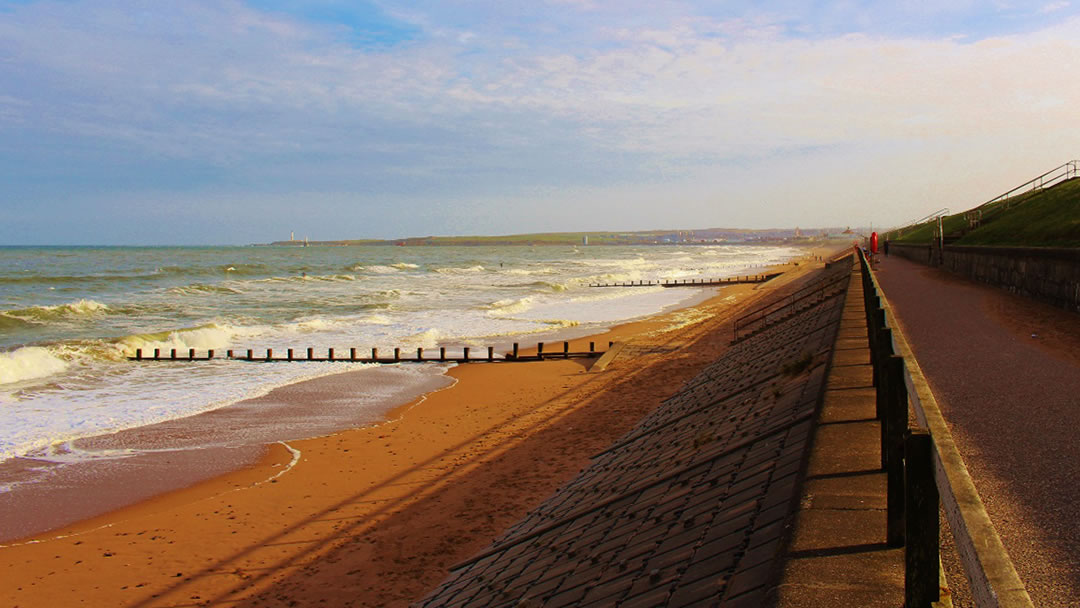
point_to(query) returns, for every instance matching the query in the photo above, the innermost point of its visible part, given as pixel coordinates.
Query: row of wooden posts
(757, 278)
(466, 355)
(907, 458)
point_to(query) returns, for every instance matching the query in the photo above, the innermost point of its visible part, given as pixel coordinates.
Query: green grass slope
(1042, 218)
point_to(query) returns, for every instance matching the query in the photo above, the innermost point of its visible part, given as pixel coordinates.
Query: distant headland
(707, 236)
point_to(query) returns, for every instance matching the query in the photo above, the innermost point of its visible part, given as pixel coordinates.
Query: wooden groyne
(754, 278)
(465, 355)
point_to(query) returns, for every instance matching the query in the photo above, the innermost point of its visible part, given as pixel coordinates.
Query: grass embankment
(1041, 218)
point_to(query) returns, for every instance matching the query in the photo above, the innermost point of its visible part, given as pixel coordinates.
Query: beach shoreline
(379, 466)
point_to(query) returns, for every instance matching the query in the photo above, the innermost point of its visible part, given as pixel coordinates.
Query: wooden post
(310, 353)
(893, 427)
(209, 354)
(921, 556)
(352, 354)
(269, 354)
(592, 347)
(397, 354)
(466, 354)
(515, 351)
(419, 353)
(491, 354)
(442, 353)
(540, 350)
(172, 354)
(565, 350)
(374, 355)
(250, 354)
(191, 354)
(330, 354)
(228, 354)
(157, 354)
(138, 354)
(290, 354)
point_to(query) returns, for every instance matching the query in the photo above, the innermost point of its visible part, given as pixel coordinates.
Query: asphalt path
(1006, 373)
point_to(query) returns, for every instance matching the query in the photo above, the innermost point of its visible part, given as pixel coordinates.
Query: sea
(71, 316)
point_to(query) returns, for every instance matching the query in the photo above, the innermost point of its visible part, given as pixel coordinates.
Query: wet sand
(375, 515)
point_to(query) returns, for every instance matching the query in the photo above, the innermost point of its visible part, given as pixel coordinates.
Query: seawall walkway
(837, 555)
(1006, 372)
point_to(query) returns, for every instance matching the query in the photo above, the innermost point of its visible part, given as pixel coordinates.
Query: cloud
(588, 98)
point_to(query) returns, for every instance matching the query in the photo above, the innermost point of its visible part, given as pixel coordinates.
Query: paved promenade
(1006, 373)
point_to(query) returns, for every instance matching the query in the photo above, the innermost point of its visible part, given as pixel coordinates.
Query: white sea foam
(28, 363)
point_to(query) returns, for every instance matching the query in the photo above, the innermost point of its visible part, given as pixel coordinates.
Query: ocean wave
(404, 266)
(207, 336)
(428, 338)
(467, 270)
(59, 312)
(376, 269)
(201, 289)
(510, 306)
(28, 363)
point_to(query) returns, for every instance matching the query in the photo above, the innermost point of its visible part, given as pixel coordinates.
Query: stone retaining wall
(1048, 274)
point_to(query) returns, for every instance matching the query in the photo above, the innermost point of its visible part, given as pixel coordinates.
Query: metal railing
(935, 216)
(1052, 177)
(924, 469)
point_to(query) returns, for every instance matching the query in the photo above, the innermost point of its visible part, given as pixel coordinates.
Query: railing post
(330, 354)
(491, 354)
(921, 556)
(289, 355)
(157, 353)
(310, 353)
(138, 354)
(565, 350)
(515, 351)
(397, 354)
(374, 355)
(250, 354)
(269, 354)
(540, 350)
(893, 427)
(465, 354)
(172, 353)
(210, 354)
(442, 353)
(419, 353)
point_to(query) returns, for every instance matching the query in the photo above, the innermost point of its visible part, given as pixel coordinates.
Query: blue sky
(214, 122)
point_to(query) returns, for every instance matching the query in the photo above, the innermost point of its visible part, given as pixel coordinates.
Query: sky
(195, 122)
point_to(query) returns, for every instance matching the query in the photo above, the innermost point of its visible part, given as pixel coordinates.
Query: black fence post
(894, 426)
(921, 558)
(881, 359)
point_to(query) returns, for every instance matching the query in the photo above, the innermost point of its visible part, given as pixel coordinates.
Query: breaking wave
(59, 312)
(28, 363)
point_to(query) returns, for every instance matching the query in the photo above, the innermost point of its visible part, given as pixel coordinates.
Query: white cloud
(677, 104)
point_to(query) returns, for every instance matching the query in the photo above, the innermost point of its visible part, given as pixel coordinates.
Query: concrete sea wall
(1048, 274)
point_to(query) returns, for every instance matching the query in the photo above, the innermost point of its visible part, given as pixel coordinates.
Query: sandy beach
(375, 515)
